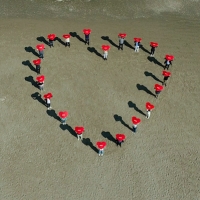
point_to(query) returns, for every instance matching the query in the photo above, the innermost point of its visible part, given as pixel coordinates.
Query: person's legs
(69, 44)
(104, 56)
(48, 106)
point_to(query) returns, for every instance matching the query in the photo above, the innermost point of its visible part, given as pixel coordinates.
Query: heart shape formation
(166, 73)
(63, 114)
(149, 106)
(87, 31)
(153, 44)
(40, 79)
(37, 62)
(120, 137)
(79, 129)
(40, 47)
(136, 120)
(169, 57)
(51, 36)
(158, 87)
(105, 47)
(48, 96)
(101, 145)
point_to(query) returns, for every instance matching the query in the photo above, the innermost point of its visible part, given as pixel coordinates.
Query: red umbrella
(154, 44)
(37, 62)
(86, 31)
(166, 73)
(51, 36)
(40, 47)
(137, 39)
(48, 96)
(169, 57)
(79, 129)
(136, 120)
(63, 114)
(101, 145)
(149, 106)
(158, 87)
(122, 35)
(120, 137)
(40, 79)
(66, 36)
(105, 47)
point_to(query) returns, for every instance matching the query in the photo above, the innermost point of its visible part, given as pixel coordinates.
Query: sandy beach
(42, 159)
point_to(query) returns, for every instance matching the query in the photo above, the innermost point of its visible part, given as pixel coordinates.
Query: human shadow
(59, 40)
(128, 45)
(69, 128)
(119, 119)
(144, 49)
(53, 114)
(144, 88)
(37, 96)
(156, 62)
(31, 80)
(31, 50)
(74, 34)
(43, 39)
(87, 142)
(110, 41)
(152, 75)
(133, 105)
(93, 50)
(28, 63)
(107, 135)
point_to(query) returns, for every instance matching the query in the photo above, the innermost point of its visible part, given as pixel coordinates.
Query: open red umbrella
(105, 47)
(169, 57)
(66, 36)
(158, 87)
(79, 129)
(137, 39)
(122, 35)
(120, 137)
(63, 114)
(101, 145)
(37, 62)
(149, 106)
(86, 31)
(48, 96)
(154, 44)
(166, 73)
(40, 79)
(40, 47)
(51, 36)
(136, 120)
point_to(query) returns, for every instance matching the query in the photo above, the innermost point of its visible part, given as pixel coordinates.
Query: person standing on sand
(120, 139)
(121, 43)
(167, 64)
(87, 39)
(79, 131)
(166, 75)
(48, 103)
(67, 42)
(137, 46)
(101, 146)
(148, 114)
(37, 68)
(51, 43)
(158, 88)
(41, 85)
(105, 55)
(41, 54)
(152, 51)
(149, 108)
(135, 122)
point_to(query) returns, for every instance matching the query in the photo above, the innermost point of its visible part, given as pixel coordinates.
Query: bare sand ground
(42, 160)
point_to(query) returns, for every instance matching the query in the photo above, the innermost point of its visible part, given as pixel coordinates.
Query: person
(165, 79)
(137, 46)
(153, 50)
(41, 54)
(101, 152)
(51, 43)
(105, 55)
(157, 92)
(67, 42)
(148, 114)
(119, 142)
(80, 136)
(41, 85)
(121, 43)
(63, 120)
(135, 128)
(87, 39)
(167, 64)
(48, 103)
(37, 68)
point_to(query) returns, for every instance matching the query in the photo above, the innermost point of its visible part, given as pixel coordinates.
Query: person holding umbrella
(121, 40)
(135, 122)
(101, 146)
(79, 131)
(87, 35)
(158, 88)
(120, 139)
(63, 117)
(47, 98)
(153, 45)
(166, 77)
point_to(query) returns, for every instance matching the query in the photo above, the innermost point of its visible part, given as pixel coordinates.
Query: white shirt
(67, 40)
(48, 101)
(135, 125)
(105, 52)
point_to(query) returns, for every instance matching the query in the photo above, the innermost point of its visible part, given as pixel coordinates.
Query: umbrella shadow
(133, 105)
(28, 63)
(69, 128)
(31, 50)
(43, 39)
(93, 50)
(128, 45)
(59, 40)
(74, 34)
(107, 135)
(53, 114)
(37, 96)
(152, 75)
(119, 119)
(144, 49)
(110, 41)
(87, 142)
(156, 62)
(31, 80)
(144, 88)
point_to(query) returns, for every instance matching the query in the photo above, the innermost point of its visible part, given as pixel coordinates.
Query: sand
(41, 159)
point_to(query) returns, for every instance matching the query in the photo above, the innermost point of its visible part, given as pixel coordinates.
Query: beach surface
(42, 159)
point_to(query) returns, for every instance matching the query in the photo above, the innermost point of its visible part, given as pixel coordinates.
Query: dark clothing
(67, 44)
(152, 50)
(119, 142)
(120, 46)
(166, 78)
(41, 54)
(38, 69)
(167, 64)
(51, 43)
(87, 39)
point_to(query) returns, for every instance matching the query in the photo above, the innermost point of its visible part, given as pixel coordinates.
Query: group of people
(120, 138)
